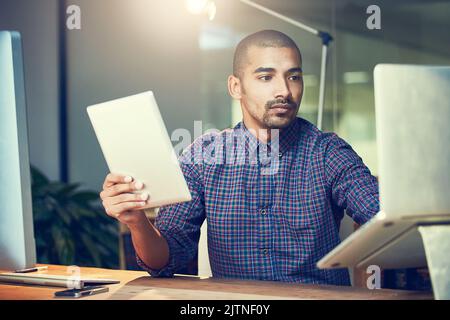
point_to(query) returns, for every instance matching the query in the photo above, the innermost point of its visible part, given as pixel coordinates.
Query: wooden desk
(139, 285)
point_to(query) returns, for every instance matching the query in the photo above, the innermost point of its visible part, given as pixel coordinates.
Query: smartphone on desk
(78, 293)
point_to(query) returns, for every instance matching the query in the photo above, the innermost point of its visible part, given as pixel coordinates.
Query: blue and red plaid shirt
(272, 218)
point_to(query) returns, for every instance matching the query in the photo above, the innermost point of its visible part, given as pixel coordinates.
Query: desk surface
(139, 285)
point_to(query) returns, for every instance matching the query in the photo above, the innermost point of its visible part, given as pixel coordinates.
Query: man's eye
(265, 78)
(295, 78)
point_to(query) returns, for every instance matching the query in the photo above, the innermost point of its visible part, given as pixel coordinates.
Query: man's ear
(234, 87)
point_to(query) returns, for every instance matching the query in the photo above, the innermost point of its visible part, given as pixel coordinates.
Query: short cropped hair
(264, 38)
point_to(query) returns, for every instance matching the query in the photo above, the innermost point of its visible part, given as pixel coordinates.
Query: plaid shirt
(266, 221)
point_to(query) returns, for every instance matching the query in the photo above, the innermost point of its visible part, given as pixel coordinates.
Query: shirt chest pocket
(303, 210)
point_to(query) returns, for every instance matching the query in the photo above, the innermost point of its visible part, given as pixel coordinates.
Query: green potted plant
(70, 226)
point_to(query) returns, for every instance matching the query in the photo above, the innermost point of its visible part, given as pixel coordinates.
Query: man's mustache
(283, 102)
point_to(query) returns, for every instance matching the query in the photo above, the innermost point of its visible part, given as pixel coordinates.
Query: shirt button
(263, 211)
(266, 251)
(280, 155)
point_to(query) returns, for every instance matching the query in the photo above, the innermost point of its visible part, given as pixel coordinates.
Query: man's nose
(282, 89)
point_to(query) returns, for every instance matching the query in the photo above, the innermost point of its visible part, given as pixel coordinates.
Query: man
(269, 218)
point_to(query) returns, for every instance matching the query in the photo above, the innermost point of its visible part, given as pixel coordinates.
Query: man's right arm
(126, 207)
(150, 245)
(179, 225)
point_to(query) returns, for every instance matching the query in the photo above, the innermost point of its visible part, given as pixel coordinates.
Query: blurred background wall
(39, 25)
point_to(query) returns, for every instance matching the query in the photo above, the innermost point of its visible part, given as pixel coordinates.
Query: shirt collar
(287, 136)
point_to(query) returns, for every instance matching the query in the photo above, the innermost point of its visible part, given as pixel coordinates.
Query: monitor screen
(17, 245)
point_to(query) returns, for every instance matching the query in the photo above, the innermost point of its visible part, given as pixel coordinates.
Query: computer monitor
(17, 244)
(412, 104)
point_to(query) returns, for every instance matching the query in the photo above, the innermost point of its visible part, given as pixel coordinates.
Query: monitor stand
(436, 242)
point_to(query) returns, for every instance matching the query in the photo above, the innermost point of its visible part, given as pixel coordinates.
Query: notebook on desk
(44, 279)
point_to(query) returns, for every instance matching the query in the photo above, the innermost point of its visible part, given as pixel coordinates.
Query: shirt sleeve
(352, 185)
(180, 224)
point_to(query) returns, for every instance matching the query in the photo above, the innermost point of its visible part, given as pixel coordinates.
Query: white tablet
(135, 142)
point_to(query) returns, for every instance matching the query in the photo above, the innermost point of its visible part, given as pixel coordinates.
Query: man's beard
(279, 122)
